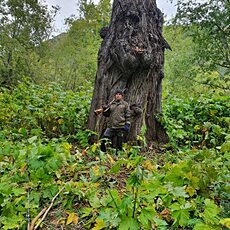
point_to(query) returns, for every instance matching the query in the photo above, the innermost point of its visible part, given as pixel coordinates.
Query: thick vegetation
(47, 166)
(23, 27)
(207, 23)
(44, 149)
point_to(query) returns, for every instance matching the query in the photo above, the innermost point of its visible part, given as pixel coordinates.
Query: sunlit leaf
(32, 139)
(100, 224)
(190, 190)
(148, 165)
(18, 191)
(202, 226)
(94, 201)
(72, 219)
(226, 222)
(86, 212)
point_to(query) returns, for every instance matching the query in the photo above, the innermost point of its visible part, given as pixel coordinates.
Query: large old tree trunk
(131, 57)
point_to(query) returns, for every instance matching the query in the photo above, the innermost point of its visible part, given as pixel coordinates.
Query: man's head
(119, 94)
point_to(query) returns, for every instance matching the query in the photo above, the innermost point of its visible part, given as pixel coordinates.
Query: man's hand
(126, 127)
(104, 107)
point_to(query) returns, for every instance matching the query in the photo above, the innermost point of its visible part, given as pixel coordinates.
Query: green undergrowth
(44, 111)
(102, 191)
(183, 185)
(202, 121)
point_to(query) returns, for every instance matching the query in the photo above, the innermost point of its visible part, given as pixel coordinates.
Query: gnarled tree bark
(131, 57)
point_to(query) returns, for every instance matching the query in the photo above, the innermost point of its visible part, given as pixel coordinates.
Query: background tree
(24, 24)
(72, 56)
(131, 57)
(208, 24)
(179, 69)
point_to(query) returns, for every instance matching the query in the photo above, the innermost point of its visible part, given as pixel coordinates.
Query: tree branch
(209, 84)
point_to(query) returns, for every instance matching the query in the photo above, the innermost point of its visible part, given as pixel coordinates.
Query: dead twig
(46, 210)
(36, 218)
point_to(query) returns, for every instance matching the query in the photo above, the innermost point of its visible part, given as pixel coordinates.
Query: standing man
(118, 114)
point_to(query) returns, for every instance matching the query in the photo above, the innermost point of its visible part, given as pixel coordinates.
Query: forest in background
(46, 89)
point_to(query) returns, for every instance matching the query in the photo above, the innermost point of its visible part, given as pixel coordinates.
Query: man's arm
(106, 110)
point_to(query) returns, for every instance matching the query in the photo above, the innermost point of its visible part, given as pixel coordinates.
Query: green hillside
(52, 178)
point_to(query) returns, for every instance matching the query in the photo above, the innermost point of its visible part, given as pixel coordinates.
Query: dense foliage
(179, 65)
(197, 122)
(72, 57)
(47, 112)
(44, 150)
(183, 73)
(183, 184)
(23, 27)
(207, 23)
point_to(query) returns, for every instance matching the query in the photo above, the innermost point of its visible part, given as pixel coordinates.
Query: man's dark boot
(103, 147)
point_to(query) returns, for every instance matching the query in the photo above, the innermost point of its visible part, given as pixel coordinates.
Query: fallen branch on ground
(46, 210)
(36, 218)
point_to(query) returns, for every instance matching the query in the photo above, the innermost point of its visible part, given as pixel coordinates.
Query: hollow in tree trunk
(131, 57)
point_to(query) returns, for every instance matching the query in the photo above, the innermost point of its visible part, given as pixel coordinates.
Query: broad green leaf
(175, 206)
(147, 214)
(36, 164)
(110, 217)
(161, 223)
(179, 192)
(202, 226)
(225, 148)
(11, 222)
(114, 194)
(181, 217)
(126, 204)
(106, 214)
(94, 201)
(94, 147)
(52, 164)
(176, 191)
(18, 191)
(105, 200)
(5, 188)
(211, 212)
(23, 131)
(50, 191)
(128, 223)
(155, 187)
(115, 168)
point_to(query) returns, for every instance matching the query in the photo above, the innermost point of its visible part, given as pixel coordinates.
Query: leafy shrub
(29, 174)
(47, 111)
(198, 122)
(175, 189)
